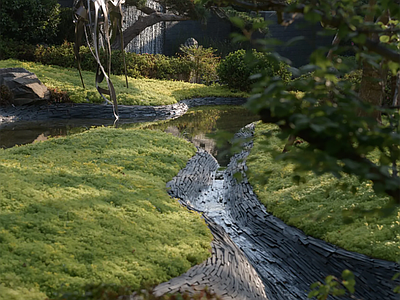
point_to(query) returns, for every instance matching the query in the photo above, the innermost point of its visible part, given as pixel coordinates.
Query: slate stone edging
(286, 260)
(227, 272)
(10, 114)
(289, 260)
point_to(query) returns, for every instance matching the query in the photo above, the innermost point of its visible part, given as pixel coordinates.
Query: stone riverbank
(255, 255)
(136, 113)
(286, 260)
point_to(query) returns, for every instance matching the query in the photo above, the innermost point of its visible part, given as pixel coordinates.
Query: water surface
(208, 127)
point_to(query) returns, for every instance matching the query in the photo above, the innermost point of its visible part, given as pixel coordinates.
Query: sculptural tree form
(99, 21)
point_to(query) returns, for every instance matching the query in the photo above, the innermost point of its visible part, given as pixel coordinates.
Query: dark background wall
(66, 3)
(216, 33)
(300, 51)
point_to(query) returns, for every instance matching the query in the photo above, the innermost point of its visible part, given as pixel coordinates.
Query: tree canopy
(32, 21)
(339, 122)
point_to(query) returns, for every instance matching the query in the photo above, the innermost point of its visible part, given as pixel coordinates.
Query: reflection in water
(209, 128)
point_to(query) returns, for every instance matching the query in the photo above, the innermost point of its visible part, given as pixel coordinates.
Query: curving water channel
(286, 260)
(255, 255)
(209, 128)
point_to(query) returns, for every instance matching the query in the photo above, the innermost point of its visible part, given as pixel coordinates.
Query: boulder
(24, 86)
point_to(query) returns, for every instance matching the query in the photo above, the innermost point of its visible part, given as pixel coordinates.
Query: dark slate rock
(286, 260)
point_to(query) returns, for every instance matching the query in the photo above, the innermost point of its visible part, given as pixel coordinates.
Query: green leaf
(360, 39)
(317, 128)
(384, 38)
(238, 22)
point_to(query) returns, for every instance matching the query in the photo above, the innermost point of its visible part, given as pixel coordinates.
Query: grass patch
(323, 207)
(140, 91)
(93, 208)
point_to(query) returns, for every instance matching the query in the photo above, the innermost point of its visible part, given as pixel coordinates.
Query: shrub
(115, 292)
(66, 26)
(203, 63)
(15, 49)
(6, 95)
(32, 21)
(62, 56)
(138, 65)
(235, 70)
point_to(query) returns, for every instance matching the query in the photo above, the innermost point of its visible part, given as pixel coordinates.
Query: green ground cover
(93, 208)
(323, 207)
(140, 91)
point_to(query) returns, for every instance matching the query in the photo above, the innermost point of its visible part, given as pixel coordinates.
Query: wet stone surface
(60, 111)
(254, 254)
(228, 272)
(286, 260)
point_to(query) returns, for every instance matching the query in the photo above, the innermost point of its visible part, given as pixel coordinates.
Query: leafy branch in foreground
(342, 127)
(334, 286)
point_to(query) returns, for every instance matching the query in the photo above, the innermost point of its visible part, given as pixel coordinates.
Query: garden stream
(255, 255)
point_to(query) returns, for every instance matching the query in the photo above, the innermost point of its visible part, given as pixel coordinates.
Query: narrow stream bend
(255, 255)
(286, 260)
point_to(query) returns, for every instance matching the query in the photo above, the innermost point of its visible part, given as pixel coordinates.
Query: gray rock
(24, 86)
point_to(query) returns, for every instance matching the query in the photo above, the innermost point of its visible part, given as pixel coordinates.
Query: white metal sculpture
(99, 22)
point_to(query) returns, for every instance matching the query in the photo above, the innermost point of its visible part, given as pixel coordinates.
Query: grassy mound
(140, 91)
(323, 207)
(93, 208)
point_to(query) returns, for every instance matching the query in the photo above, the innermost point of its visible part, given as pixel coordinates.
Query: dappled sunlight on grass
(346, 212)
(93, 207)
(140, 91)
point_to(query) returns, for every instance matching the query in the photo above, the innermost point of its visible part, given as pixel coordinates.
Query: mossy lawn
(93, 207)
(345, 212)
(140, 91)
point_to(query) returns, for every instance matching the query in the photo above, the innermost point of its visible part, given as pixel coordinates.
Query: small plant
(58, 96)
(237, 68)
(33, 21)
(203, 62)
(334, 286)
(115, 292)
(5, 95)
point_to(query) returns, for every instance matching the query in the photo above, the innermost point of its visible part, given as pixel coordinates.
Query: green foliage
(333, 286)
(32, 21)
(16, 49)
(140, 91)
(113, 292)
(155, 66)
(248, 19)
(6, 95)
(344, 212)
(236, 69)
(340, 127)
(92, 208)
(66, 27)
(203, 63)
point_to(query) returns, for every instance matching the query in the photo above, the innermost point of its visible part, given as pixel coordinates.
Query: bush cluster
(156, 66)
(115, 292)
(203, 61)
(237, 67)
(199, 65)
(32, 21)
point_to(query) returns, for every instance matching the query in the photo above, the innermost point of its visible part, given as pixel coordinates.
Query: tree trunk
(142, 23)
(372, 87)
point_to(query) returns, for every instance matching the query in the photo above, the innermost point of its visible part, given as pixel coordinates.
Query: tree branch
(320, 142)
(378, 48)
(335, 22)
(145, 21)
(146, 10)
